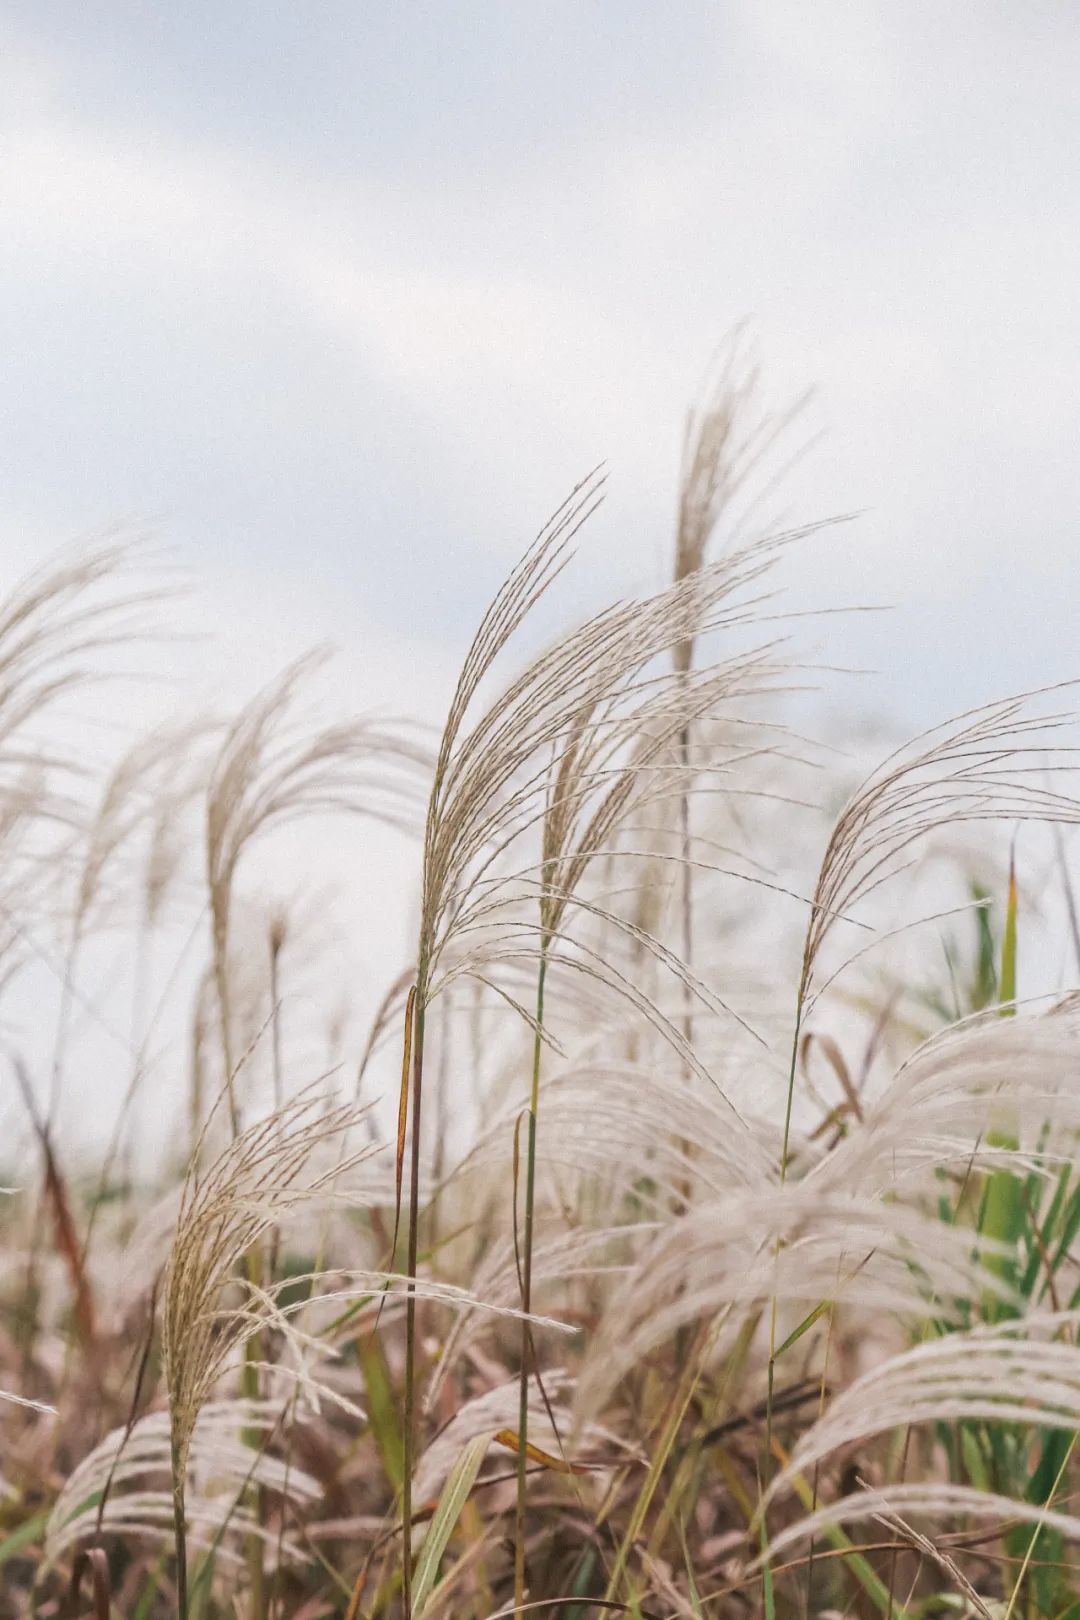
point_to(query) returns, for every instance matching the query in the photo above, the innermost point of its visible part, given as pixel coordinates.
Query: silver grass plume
(130, 1468)
(623, 1124)
(564, 749)
(590, 1253)
(269, 772)
(210, 1310)
(989, 764)
(939, 1500)
(1022, 1373)
(940, 1107)
(57, 622)
(1027, 1372)
(129, 804)
(494, 1411)
(729, 437)
(58, 628)
(570, 749)
(795, 1245)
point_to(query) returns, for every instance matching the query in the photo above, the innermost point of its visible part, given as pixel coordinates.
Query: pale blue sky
(344, 297)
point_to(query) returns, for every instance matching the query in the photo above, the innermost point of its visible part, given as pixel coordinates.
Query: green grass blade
(1007, 981)
(804, 1327)
(455, 1494)
(382, 1406)
(30, 1531)
(1002, 1216)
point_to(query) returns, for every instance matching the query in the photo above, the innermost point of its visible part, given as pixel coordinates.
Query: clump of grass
(720, 1309)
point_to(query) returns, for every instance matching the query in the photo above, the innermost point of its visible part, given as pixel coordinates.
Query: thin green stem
(526, 1284)
(250, 1381)
(1037, 1531)
(250, 1384)
(180, 1532)
(687, 908)
(687, 871)
(783, 1178)
(791, 1087)
(408, 1436)
(275, 1023)
(698, 1354)
(784, 1152)
(222, 982)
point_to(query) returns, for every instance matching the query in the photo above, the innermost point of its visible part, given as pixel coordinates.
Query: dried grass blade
(67, 1238)
(91, 1559)
(558, 1465)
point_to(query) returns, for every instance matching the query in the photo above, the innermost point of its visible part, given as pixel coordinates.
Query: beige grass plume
(564, 750)
(122, 1487)
(990, 764)
(271, 770)
(210, 1311)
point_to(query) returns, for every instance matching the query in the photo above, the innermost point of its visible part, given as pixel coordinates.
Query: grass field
(691, 1233)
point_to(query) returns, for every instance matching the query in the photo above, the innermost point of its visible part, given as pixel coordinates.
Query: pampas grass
(739, 1265)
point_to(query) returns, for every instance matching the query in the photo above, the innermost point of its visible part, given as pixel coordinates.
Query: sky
(341, 299)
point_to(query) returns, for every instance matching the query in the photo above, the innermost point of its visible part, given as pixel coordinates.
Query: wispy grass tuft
(701, 1308)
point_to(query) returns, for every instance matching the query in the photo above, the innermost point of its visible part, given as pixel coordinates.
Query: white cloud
(889, 193)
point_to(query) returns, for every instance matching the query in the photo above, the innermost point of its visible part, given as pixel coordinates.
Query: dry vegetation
(715, 1257)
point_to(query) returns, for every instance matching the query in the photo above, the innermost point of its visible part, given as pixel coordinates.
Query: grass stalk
(686, 898)
(771, 1373)
(250, 1382)
(526, 1283)
(408, 1436)
(180, 1533)
(275, 1018)
(705, 1341)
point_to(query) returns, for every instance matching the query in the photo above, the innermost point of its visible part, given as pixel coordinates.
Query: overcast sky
(343, 297)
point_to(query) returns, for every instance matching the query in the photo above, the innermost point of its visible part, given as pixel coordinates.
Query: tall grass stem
(526, 1282)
